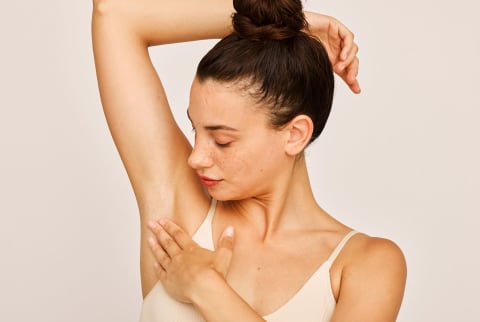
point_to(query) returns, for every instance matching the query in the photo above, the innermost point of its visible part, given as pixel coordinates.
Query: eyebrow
(214, 127)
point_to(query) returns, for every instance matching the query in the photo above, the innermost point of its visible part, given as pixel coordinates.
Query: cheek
(250, 164)
(234, 163)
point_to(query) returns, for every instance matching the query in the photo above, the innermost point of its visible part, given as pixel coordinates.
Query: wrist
(207, 285)
(316, 22)
(216, 301)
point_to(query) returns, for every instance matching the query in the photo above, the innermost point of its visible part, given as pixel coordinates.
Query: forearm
(168, 21)
(218, 302)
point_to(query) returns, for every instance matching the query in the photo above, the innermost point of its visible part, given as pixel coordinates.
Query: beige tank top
(313, 302)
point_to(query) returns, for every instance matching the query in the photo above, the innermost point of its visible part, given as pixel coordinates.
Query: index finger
(177, 233)
(350, 76)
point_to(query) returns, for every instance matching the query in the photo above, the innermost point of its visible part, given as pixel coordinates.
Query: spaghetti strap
(211, 211)
(340, 246)
(203, 235)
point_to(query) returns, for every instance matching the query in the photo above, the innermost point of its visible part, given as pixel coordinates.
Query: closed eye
(223, 145)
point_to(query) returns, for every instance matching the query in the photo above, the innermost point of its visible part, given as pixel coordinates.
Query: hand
(338, 41)
(181, 265)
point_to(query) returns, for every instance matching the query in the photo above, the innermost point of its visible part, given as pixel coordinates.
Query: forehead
(218, 102)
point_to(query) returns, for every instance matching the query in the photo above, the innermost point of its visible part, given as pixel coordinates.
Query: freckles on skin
(254, 158)
(255, 166)
(248, 167)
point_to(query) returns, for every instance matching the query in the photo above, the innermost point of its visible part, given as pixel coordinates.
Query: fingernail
(162, 221)
(228, 232)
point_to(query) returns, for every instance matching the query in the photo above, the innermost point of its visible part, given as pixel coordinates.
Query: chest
(270, 276)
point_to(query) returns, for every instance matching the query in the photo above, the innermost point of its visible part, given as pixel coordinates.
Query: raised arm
(153, 149)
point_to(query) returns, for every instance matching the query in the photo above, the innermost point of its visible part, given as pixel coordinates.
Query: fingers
(333, 41)
(351, 56)
(348, 54)
(224, 251)
(181, 238)
(349, 49)
(160, 271)
(168, 241)
(164, 238)
(161, 257)
(347, 65)
(350, 76)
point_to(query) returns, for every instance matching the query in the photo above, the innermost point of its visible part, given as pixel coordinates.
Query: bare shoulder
(372, 283)
(369, 252)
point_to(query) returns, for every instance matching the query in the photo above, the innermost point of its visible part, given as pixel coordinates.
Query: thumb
(224, 251)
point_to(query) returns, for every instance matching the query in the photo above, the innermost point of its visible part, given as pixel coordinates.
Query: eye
(221, 140)
(222, 145)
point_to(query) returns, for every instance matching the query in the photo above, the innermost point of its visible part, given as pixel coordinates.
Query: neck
(290, 204)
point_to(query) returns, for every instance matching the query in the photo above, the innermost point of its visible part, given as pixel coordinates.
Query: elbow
(109, 14)
(114, 12)
(100, 7)
(100, 10)
(104, 7)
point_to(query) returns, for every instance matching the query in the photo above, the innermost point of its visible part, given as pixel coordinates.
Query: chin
(226, 196)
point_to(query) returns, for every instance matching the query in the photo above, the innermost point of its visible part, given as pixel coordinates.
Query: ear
(299, 131)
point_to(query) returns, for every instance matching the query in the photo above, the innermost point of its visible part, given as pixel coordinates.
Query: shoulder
(373, 276)
(374, 255)
(366, 251)
(365, 256)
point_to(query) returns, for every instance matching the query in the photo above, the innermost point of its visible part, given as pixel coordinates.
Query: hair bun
(268, 19)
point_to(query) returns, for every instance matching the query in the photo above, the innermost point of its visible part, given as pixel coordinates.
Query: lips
(209, 182)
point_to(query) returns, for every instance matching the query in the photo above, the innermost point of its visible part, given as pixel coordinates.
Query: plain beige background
(401, 160)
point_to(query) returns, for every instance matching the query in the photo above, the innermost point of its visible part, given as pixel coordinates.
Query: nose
(200, 157)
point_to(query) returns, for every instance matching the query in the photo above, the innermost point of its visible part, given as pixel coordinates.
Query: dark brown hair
(289, 70)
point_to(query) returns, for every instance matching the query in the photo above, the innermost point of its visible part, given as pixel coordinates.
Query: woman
(265, 250)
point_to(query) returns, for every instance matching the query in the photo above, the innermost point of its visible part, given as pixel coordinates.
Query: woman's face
(236, 154)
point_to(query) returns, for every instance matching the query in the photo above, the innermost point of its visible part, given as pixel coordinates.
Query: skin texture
(264, 192)
(232, 138)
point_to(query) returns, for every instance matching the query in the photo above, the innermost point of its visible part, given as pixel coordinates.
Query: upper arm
(372, 285)
(152, 147)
